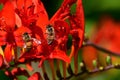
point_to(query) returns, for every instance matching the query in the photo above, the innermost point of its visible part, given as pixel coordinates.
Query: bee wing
(24, 46)
(36, 41)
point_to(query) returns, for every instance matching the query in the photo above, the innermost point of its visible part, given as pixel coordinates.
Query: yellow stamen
(13, 52)
(1, 51)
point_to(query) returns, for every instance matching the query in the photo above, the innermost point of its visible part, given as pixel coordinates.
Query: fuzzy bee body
(29, 42)
(50, 34)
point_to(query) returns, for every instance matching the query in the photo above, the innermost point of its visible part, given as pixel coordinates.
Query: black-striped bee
(50, 34)
(29, 42)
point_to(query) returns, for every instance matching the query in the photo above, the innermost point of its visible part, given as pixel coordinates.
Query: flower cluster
(25, 25)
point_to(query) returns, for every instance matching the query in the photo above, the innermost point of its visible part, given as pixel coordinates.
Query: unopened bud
(101, 68)
(94, 63)
(108, 60)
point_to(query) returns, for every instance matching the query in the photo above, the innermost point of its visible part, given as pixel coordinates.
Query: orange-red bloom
(40, 17)
(7, 27)
(109, 34)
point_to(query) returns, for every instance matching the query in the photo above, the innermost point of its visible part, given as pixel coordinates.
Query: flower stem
(44, 72)
(88, 43)
(58, 69)
(75, 63)
(72, 52)
(64, 69)
(51, 62)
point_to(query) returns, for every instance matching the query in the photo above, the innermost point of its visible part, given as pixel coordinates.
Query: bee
(50, 34)
(29, 41)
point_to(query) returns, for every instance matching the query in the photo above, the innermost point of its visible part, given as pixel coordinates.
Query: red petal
(8, 15)
(35, 76)
(27, 3)
(29, 67)
(1, 60)
(14, 71)
(8, 53)
(61, 28)
(3, 1)
(58, 54)
(18, 71)
(81, 36)
(37, 5)
(3, 36)
(68, 2)
(77, 24)
(63, 11)
(80, 14)
(43, 16)
(29, 55)
(37, 31)
(18, 21)
(20, 3)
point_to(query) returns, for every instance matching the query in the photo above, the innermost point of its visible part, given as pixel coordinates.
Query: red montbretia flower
(59, 24)
(7, 27)
(107, 35)
(111, 36)
(42, 23)
(31, 18)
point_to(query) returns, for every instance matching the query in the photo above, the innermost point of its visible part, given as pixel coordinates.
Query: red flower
(108, 34)
(7, 27)
(58, 20)
(44, 50)
(61, 29)
(31, 18)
